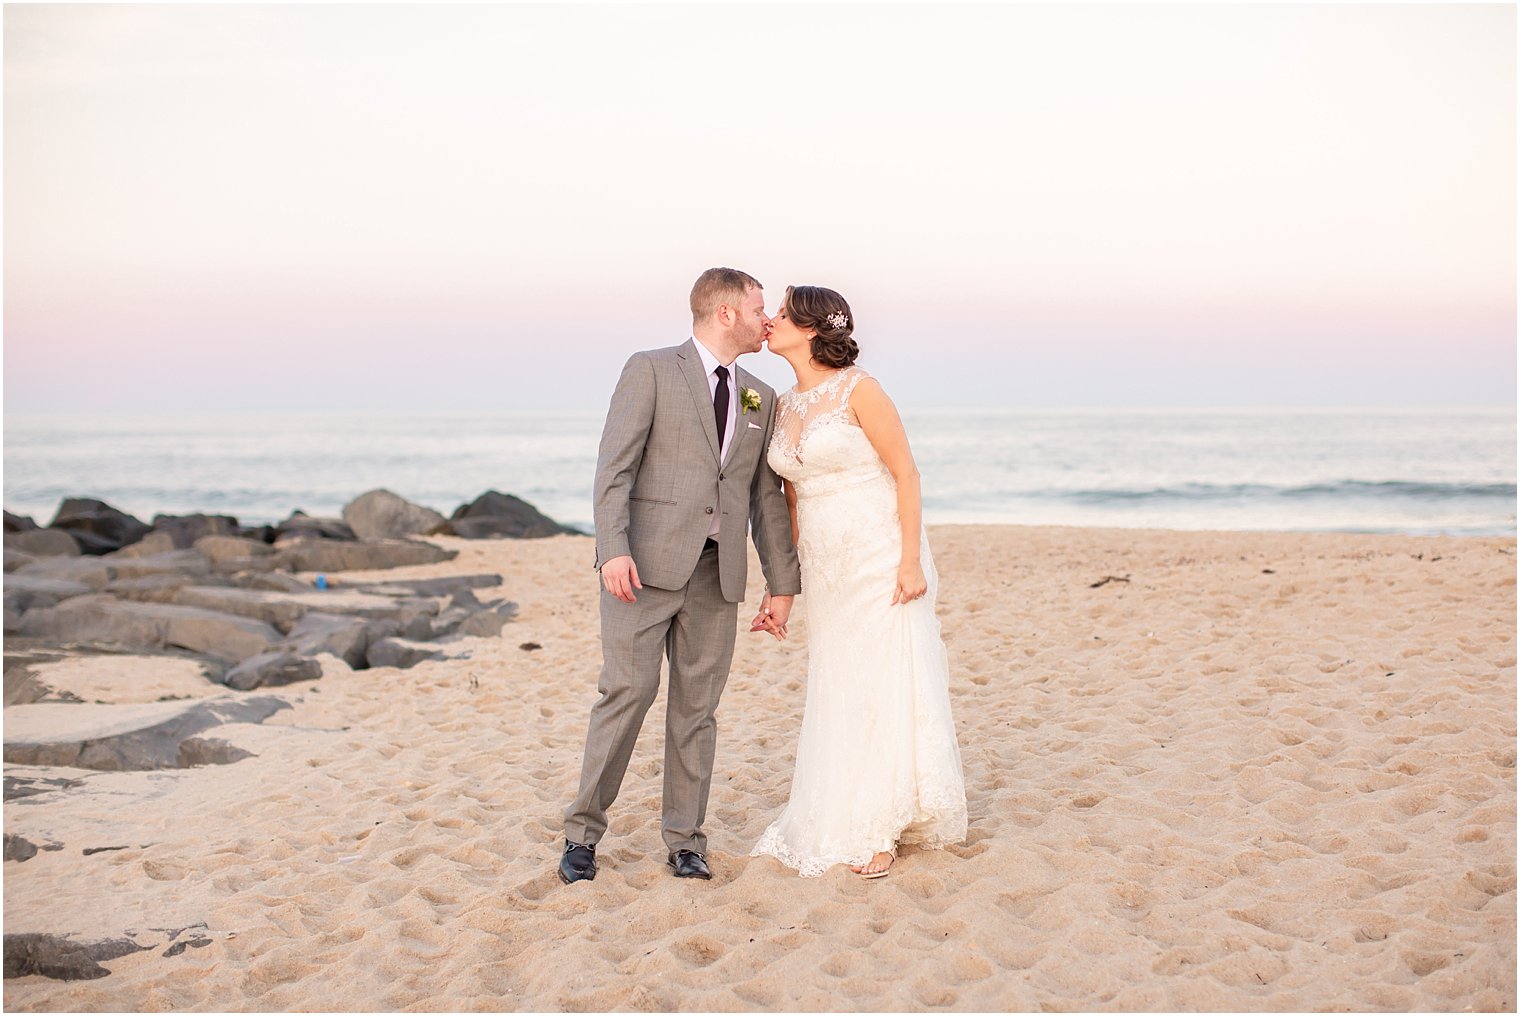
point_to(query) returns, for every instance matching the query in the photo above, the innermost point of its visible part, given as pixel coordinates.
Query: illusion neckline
(838, 373)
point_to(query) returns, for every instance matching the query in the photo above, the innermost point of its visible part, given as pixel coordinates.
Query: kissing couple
(697, 454)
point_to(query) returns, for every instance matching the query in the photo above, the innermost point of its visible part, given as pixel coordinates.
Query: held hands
(911, 583)
(620, 577)
(774, 611)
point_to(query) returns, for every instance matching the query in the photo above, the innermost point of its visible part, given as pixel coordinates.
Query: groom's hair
(719, 285)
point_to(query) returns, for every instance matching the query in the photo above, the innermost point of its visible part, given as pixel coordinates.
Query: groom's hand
(620, 577)
(774, 611)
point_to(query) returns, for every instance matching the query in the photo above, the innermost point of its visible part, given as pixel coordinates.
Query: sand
(1266, 772)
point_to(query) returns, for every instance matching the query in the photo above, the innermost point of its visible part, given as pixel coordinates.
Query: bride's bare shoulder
(863, 383)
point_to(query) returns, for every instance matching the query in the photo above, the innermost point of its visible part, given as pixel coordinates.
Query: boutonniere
(749, 399)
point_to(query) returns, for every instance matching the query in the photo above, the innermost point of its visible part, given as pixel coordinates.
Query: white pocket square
(755, 426)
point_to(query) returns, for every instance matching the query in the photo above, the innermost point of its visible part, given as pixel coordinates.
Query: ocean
(1417, 471)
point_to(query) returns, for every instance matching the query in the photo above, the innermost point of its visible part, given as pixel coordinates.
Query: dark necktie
(720, 403)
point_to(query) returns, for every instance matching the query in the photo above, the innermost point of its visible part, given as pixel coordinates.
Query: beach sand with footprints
(1213, 771)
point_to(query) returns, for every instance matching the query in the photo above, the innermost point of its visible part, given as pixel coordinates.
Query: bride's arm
(883, 427)
(791, 506)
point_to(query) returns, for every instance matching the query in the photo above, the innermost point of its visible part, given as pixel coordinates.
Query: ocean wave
(1376, 470)
(1362, 489)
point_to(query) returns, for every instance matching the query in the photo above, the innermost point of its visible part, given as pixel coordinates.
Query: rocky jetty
(259, 605)
(88, 526)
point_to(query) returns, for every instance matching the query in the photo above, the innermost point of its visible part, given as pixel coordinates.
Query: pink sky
(282, 207)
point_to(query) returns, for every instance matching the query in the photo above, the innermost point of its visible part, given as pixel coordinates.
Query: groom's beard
(751, 340)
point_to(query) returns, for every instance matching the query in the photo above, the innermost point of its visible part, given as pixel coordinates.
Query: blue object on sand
(321, 581)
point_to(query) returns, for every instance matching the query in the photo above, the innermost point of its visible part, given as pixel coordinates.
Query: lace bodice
(818, 444)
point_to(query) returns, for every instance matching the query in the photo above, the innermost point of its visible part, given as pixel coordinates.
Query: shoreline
(1377, 534)
(587, 529)
(1250, 771)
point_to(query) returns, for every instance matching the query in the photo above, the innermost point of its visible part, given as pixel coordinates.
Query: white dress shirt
(710, 363)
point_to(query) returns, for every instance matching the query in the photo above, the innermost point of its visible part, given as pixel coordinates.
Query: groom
(680, 477)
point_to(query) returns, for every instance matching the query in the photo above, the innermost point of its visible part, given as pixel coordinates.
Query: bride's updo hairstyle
(815, 309)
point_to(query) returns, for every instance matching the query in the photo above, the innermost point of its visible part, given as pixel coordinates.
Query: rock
(274, 581)
(100, 620)
(92, 543)
(97, 526)
(19, 786)
(153, 543)
(44, 543)
(212, 633)
(332, 555)
(302, 525)
(448, 621)
(221, 549)
(263, 534)
(92, 571)
(18, 523)
(463, 606)
(347, 638)
(391, 652)
(283, 610)
(62, 959)
(487, 623)
(127, 737)
(208, 751)
(413, 617)
(236, 565)
(184, 530)
(15, 559)
(21, 682)
(274, 609)
(182, 562)
(494, 514)
(448, 585)
(23, 592)
(466, 600)
(418, 628)
(160, 588)
(381, 515)
(268, 669)
(196, 940)
(19, 849)
(477, 529)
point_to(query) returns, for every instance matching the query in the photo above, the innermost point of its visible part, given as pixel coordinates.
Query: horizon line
(1097, 408)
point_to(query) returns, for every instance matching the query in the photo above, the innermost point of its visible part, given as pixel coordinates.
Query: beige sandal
(883, 873)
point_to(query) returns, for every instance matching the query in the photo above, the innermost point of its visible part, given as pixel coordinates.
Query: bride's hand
(911, 583)
(774, 611)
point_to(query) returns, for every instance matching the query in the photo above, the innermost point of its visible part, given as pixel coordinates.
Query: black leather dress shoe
(578, 862)
(689, 864)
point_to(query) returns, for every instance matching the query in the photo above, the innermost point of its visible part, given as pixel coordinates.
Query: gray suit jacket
(659, 481)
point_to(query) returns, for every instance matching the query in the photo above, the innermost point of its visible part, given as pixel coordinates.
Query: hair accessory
(837, 320)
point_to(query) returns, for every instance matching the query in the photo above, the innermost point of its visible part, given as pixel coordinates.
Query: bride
(877, 764)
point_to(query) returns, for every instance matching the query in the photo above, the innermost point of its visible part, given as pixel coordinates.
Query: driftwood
(1105, 580)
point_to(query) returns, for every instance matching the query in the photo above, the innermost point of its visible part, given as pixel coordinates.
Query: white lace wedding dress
(877, 762)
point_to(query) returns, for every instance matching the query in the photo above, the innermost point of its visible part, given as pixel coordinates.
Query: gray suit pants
(695, 627)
